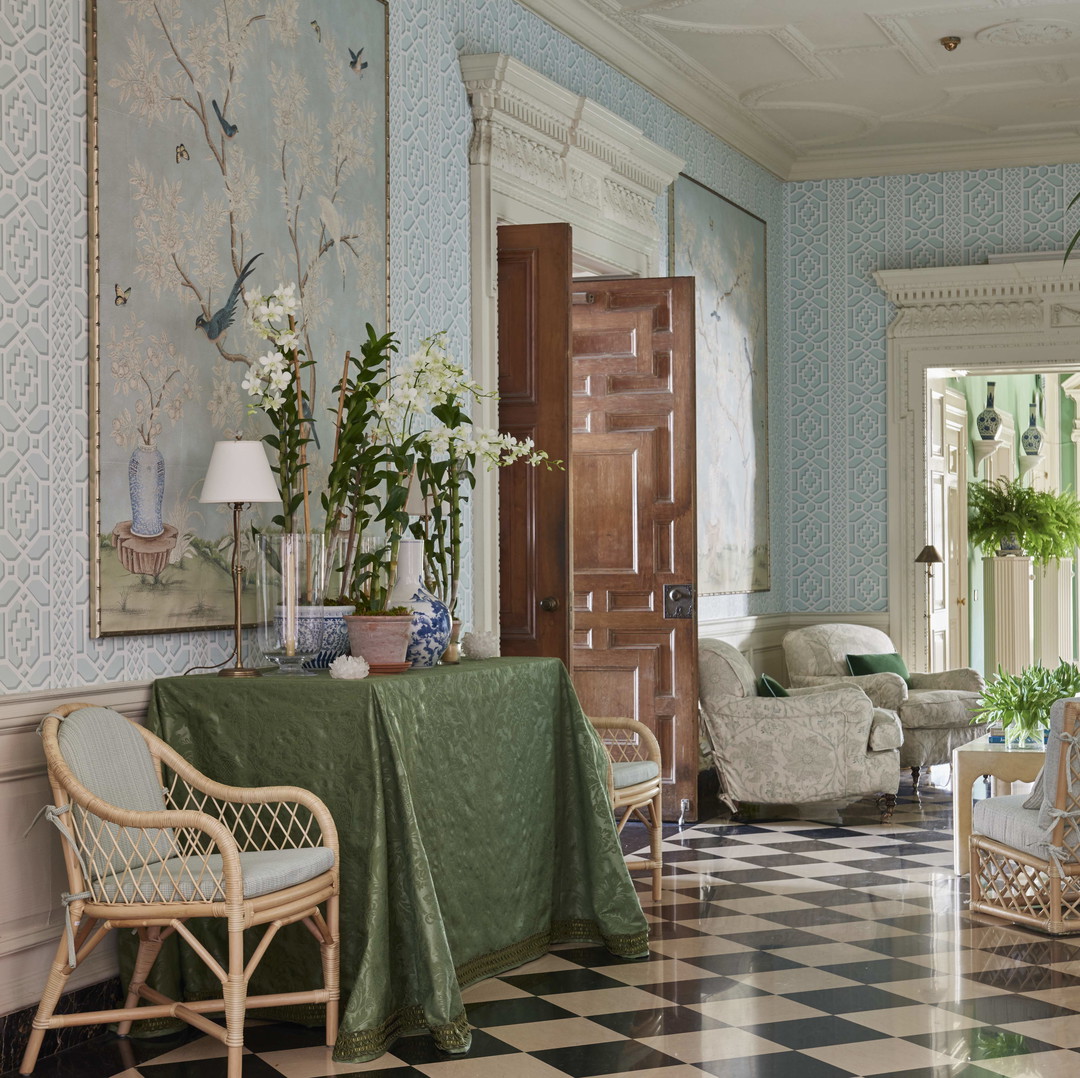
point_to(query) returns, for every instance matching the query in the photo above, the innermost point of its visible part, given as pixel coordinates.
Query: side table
(1006, 763)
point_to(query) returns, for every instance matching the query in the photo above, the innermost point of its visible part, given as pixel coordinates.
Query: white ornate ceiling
(817, 88)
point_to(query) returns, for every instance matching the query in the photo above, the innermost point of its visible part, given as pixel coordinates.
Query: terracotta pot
(379, 639)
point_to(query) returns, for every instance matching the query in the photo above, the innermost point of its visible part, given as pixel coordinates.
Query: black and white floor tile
(819, 947)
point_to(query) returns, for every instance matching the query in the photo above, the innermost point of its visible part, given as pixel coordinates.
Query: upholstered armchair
(815, 745)
(935, 710)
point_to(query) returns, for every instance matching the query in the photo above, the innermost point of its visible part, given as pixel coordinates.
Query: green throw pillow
(890, 663)
(769, 686)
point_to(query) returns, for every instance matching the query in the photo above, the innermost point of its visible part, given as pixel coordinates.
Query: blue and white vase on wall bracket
(429, 633)
(1032, 439)
(988, 421)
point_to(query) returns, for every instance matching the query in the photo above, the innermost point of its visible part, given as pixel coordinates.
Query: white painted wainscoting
(31, 916)
(33, 877)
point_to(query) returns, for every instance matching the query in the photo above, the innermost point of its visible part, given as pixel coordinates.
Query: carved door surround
(541, 154)
(1004, 318)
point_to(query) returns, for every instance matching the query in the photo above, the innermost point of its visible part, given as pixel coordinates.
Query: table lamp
(238, 474)
(929, 557)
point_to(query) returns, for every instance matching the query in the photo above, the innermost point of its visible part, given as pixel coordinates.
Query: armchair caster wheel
(886, 805)
(915, 779)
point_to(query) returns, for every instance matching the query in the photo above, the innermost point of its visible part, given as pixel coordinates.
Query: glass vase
(291, 584)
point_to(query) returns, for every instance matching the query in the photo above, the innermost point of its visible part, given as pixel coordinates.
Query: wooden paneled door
(534, 402)
(634, 548)
(588, 556)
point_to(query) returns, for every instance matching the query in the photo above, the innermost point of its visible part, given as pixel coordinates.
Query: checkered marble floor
(783, 948)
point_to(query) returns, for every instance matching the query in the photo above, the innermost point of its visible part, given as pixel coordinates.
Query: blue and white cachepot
(335, 637)
(429, 632)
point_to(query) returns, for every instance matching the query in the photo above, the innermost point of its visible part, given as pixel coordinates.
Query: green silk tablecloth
(474, 822)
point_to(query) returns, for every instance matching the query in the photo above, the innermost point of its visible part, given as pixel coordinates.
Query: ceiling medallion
(1026, 32)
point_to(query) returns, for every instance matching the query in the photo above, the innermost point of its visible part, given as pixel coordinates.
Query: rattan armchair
(1025, 848)
(150, 843)
(634, 784)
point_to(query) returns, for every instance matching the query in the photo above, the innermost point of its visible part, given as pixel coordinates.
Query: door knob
(549, 603)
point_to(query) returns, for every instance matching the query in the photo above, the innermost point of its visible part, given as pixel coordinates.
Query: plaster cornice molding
(644, 56)
(901, 160)
(599, 30)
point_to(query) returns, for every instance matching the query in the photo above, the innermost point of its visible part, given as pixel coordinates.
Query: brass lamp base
(240, 671)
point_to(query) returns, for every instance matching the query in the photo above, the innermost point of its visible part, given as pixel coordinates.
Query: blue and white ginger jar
(429, 633)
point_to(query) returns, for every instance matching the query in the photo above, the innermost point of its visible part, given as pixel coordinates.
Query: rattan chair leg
(656, 837)
(149, 949)
(331, 972)
(54, 988)
(234, 994)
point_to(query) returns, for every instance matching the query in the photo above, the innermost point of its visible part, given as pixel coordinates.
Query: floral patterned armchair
(935, 711)
(814, 745)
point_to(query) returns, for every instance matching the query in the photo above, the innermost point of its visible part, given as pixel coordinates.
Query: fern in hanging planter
(1006, 512)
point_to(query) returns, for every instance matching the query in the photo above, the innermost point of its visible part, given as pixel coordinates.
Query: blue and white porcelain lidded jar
(1032, 439)
(429, 633)
(988, 421)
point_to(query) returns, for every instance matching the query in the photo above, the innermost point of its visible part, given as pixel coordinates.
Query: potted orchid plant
(396, 428)
(446, 454)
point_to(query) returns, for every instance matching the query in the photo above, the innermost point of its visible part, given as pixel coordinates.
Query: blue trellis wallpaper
(44, 584)
(838, 232)
(826, 331)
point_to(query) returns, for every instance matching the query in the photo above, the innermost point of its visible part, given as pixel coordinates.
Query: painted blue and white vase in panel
(988, 421)
(431, 623)
(1032, 439)
(146, 486)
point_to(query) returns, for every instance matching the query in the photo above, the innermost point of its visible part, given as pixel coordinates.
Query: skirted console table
(475, 829)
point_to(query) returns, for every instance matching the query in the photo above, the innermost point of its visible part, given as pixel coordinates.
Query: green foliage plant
(1045, 524)
(367, 483)
(1020, 703)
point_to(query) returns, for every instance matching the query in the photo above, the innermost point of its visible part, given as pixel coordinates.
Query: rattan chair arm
(648, 738)
(246, 795)
(222, 839)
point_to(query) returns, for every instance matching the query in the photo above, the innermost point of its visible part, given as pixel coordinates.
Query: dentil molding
(560, 150)
(1015, 297)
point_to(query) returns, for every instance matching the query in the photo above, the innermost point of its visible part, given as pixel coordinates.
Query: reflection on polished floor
(811, 948)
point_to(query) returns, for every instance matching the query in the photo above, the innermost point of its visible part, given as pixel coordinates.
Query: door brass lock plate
(678, 600)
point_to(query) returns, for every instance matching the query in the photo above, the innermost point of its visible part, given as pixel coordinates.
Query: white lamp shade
(239, 472)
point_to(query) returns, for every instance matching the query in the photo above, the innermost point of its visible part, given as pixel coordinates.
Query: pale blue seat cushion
(264, 871)
(1006, 820)
(631, 772)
